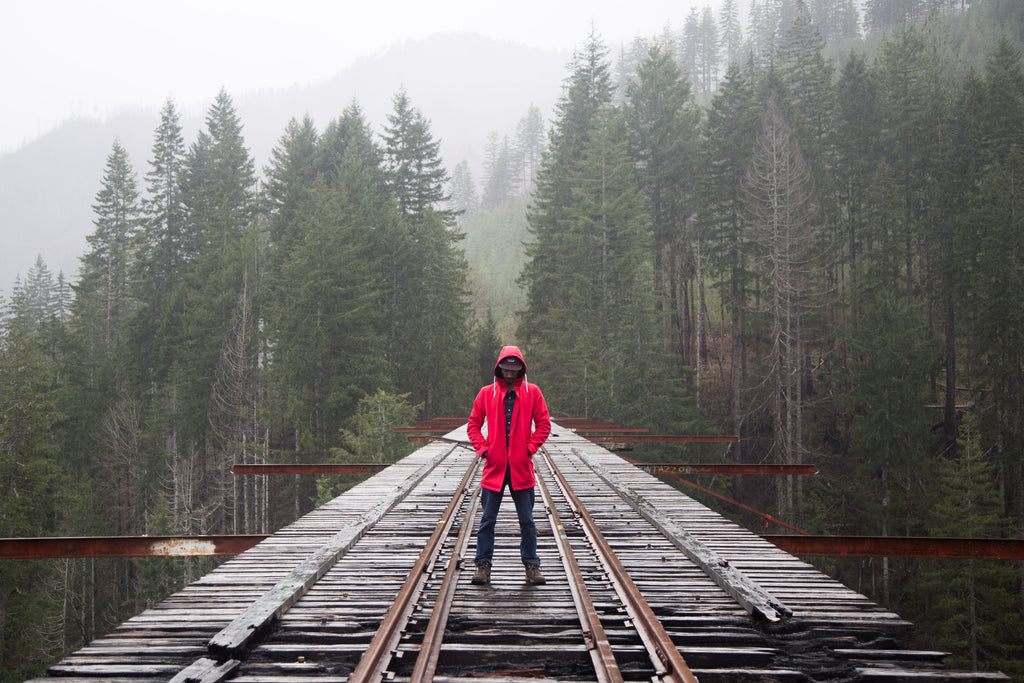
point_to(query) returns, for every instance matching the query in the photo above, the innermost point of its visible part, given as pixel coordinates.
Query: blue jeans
(491, 501)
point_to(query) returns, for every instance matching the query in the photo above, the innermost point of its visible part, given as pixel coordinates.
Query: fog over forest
(466, 85)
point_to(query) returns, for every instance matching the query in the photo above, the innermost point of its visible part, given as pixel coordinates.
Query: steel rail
(372, 666)
(758, 602)
(594, 637)
(227, 648)
(430, 648)
(669, 665)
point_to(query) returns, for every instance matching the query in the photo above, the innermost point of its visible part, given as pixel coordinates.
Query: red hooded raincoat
(531, 425)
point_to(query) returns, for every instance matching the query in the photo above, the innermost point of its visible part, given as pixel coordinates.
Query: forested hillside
(813, 247)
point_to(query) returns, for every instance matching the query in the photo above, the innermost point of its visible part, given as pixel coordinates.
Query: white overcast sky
(90, 58)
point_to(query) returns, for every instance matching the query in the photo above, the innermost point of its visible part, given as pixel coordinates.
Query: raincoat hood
(499, 379)
(509, 352)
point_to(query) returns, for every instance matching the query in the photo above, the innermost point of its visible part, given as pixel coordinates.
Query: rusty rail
(430, 649)
(373, 665)
(668, 664)
(595, 639)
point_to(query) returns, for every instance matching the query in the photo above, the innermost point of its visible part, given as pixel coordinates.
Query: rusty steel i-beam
(722, 468)
(901, 546)
(125, 546)
(312, 468)
(666, 438)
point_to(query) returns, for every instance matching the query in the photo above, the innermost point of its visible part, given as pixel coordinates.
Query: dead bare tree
(788, 253)
(235, 418)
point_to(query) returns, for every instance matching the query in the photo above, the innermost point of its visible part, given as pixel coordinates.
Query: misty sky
(91, 58)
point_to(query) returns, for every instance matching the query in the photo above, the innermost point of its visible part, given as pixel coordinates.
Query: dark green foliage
(36, 495)
(970, 605)
(425, 310)
(488, 346)
(325, 321)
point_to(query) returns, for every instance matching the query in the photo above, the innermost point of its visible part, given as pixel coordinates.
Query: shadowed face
(511, 368)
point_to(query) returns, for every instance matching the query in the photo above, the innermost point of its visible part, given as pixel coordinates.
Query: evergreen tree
(970, 604)
(488, 346)
(596, 323)
(886, 393)
(708, 53)
(464, 199)
(425, 310)
(219, 188)
(996, 322)
(105, 268)
(765, 28)
(370, 437)
(161, 261)
(809, 97)
(690, 47)
(349, 157)
(1002, 110)
(327, 355)
(529, 147)
(731, 32)
(663, 126)
(499, 172)
(730, 131)
(881, 15)
(587, 90)
(412, 159)
(857, 154)
(35, 496)
(292, 171)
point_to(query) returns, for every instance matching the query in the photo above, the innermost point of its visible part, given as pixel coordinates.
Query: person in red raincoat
(517, 425)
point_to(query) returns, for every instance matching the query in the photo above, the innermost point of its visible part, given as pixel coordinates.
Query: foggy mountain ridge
(465, 85)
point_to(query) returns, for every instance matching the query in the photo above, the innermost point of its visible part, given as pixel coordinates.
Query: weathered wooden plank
(257, 617)
(206, 670)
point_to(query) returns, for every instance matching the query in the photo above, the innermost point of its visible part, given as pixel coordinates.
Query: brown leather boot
(533, 574)
(482, 577)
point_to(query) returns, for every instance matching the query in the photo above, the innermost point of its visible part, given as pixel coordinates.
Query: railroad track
(643, 584)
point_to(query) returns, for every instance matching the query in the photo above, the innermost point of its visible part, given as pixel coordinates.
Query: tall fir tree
(104, 277)
(663, 124)
(857, 155)
(290, 174)
(220, 197)
(324, 328)
(730, 130)
(426, 312)
(971, 604)
(161, 261)
(586, 91)
(529, 147)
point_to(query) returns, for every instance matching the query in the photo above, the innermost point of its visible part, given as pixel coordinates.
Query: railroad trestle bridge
(643, 584)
